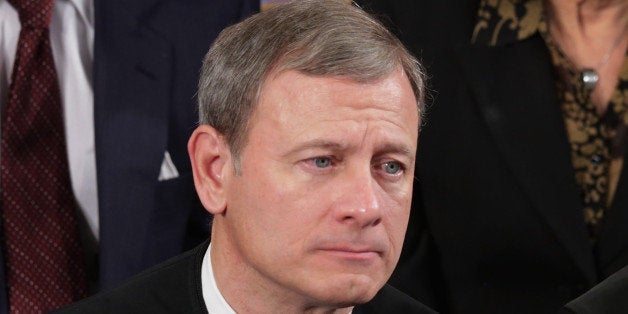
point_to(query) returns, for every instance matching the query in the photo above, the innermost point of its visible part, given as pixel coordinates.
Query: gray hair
(314, 37)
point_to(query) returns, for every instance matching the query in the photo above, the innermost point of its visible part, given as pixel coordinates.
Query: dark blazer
(175, 287)
(497, 223)
(147, 56)
(608, 297)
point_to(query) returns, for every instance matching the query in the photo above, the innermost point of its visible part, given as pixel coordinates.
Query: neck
(587, 29)
(592, 35)
(248, 291)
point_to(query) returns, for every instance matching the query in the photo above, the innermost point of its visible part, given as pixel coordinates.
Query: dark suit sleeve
(609, 297)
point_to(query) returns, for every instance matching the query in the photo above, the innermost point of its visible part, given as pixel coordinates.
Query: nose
(360, 201)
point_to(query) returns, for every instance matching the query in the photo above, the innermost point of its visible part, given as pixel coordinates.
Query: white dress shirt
(72, 41)
(214, 301)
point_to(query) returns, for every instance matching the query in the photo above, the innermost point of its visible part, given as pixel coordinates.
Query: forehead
(291, 94)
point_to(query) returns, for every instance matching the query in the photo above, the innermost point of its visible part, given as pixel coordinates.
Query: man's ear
(210, 157)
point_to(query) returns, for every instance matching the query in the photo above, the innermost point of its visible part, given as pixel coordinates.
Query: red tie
(44, 258)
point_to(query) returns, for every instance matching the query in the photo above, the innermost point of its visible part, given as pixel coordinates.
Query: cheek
(397, 230)
(280, 208)
(397, 214)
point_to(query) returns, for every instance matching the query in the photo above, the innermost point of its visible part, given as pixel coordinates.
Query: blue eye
(392, 167)
(322, 162)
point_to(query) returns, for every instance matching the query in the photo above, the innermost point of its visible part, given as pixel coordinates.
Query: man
(127, 153)
(514, 207)
(309, 115)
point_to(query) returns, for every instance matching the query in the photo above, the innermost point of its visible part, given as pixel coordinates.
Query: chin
(348, 290)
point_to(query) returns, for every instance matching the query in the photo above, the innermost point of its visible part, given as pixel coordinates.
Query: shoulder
(391, 300)
(172, 286)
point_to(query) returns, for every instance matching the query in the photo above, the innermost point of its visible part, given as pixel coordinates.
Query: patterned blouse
(598, 141)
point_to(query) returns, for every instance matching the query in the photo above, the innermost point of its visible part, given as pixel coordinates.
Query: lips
(357, 256)
(354, 252)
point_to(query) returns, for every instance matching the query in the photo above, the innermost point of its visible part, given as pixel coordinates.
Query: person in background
(308, 130)
(97, 103)
(522, 180)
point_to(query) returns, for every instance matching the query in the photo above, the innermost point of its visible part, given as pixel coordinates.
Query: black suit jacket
(147, 56)
(497, 224)
(175, 287)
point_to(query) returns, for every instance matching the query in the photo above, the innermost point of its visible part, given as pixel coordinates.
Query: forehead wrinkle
(361, 125)
(361, 114)
(387, 145)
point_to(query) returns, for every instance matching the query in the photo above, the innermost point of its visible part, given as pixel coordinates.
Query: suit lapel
(518, 101)
(132, 93)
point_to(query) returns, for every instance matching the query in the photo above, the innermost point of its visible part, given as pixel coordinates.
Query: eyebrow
(326, 144)
(396, 149)
(319, 144)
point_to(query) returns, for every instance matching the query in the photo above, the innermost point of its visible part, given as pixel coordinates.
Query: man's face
(320, 206)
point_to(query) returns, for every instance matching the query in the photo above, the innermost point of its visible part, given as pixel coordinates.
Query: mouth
(353, 253)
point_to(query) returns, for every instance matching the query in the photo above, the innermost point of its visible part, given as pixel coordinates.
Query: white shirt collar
(85, 9)
(214, 301)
